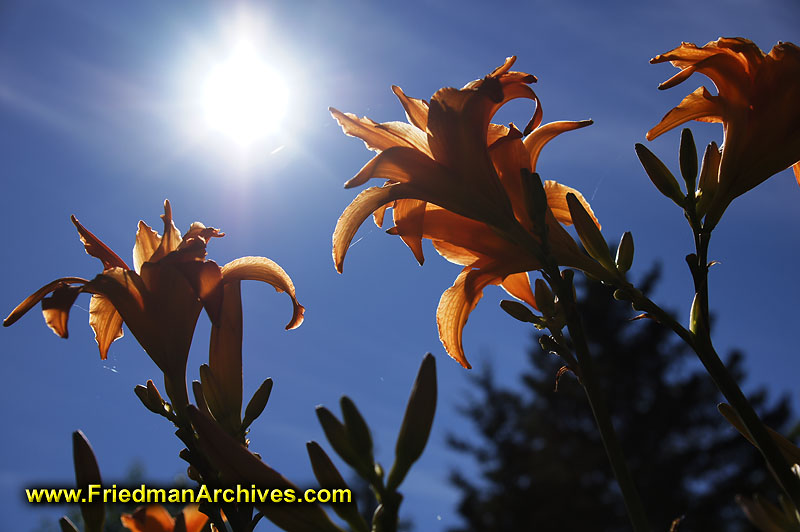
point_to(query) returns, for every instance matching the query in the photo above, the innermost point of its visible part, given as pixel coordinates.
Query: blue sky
(97, 102)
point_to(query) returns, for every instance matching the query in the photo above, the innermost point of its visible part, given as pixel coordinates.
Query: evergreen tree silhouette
(542, 463)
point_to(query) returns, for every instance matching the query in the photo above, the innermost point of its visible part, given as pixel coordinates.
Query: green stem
(608, 435)
(722, 377)
(703, 347)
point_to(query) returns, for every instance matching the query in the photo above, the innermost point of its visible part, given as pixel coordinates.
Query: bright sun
(242, 98)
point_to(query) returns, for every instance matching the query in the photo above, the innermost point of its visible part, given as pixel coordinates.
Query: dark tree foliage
(541, 460)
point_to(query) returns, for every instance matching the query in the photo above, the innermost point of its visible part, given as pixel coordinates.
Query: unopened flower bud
(688, 160)
(591, 237)
(624, 258)
(660, 175)
(544, 298)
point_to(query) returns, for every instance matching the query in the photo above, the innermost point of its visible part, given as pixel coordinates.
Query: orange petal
(206, 280)
(152, 518)
(557, 201)
(149, 323)
(728, 74)
(409, 217)
(56, 307)
(171, 238)
(354, 215)
(455, 306)
(456, 254)
(199, 231)
(263, 269)
(796, 170)
(194, 518)
(478, 238)
(519, 286)
(542, 135)
(379, 213)
(96, 248)
(686, 53)
(379, 137)
(105, 322)
(416, 109)
(147, 242)
(401, 164)
(37, 296)
(697, 105)
(510, 158)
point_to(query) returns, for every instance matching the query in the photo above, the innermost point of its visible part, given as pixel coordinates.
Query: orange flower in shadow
(155, 518)
(456, 179)
(758, 104)
(160, 298)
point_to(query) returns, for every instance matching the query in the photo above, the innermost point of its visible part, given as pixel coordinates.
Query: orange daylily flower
(456, 179)
(757, 104)
(155, 518)
(160, 298)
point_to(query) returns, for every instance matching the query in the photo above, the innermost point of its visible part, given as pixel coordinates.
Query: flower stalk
(563, 288)
(633, 502)
(700, 342)
(698, 336)
(720, 374)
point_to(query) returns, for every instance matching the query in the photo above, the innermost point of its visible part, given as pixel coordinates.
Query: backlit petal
(263, 269)
(105, 321)
(557, 201)
(379, 137)
(195, 520)
(416, 109)
(37, 296)
(96, 248)
(698, 105)
(171, 238)
(56, 306)
(542, 135)
(443, 225)
(519, 286)
(151, 518)
(206, 280)
(401, 164)
(147, 241)
(510, 158)
(455, 306)
(409, 217)
(354, 215)
(126, 292)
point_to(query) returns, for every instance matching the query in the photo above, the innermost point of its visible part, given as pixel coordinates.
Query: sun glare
(243, 98)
